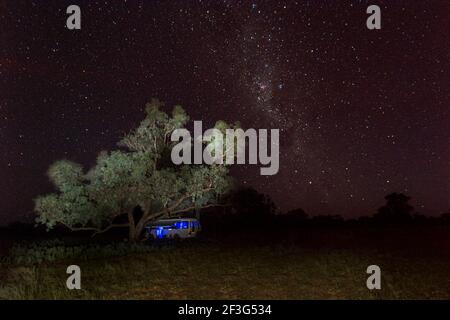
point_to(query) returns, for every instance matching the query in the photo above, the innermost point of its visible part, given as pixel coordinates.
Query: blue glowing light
(160, 232)
(181, 225)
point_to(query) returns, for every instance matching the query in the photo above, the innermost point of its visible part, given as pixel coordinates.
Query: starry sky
(361, 112)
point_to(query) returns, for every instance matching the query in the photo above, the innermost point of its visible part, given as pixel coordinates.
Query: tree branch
(203, 207)
(149, 216)
(96, 230)
(78, 229)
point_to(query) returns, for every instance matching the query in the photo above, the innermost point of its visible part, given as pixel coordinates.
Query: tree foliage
(396, 210)
(138, 174)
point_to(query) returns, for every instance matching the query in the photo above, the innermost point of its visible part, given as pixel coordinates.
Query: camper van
(179, 228)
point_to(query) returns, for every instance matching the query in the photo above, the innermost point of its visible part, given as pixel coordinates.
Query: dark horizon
(362, 113)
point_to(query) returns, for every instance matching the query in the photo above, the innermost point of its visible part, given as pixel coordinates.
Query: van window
(182, 225)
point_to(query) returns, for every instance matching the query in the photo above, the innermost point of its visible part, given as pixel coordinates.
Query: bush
(57, 250)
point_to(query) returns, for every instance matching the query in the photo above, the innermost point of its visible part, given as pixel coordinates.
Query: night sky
(361, 112)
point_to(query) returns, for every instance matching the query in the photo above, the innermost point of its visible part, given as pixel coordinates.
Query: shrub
(57, 250)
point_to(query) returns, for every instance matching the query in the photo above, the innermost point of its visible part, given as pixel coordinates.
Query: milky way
(361, 112)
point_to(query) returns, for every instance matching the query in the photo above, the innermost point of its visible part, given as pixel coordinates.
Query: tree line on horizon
(248, 207)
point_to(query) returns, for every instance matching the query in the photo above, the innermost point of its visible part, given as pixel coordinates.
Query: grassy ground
(211, 271)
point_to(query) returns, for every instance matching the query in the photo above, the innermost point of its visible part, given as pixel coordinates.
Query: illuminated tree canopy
(138, 174)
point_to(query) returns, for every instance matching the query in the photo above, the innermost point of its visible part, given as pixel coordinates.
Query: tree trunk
(197, 213)
(138, 230)
(132, 237)
(139, 227)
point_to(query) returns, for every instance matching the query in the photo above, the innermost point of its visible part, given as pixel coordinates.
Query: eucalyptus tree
(138, 174)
